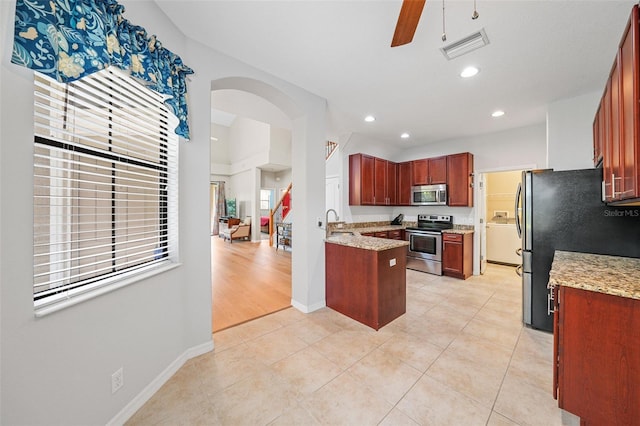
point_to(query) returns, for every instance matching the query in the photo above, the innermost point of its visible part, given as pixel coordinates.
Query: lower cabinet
(366, 285)
(396, 234)
(457, 255)
(597, 356)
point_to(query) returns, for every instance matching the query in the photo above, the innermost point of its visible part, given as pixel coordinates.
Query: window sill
(55, 306)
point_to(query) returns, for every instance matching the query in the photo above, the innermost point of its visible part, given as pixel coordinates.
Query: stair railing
(276, 213)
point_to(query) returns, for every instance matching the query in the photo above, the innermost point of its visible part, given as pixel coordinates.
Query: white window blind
(105, 183)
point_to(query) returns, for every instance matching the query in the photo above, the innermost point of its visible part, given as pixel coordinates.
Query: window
(105, 183)
(266, 199)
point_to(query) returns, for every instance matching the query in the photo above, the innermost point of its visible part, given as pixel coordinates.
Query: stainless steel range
(425, 243)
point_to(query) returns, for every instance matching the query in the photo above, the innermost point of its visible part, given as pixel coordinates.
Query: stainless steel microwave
(429, 195)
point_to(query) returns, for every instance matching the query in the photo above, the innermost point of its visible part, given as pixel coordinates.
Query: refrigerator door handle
(515, 210)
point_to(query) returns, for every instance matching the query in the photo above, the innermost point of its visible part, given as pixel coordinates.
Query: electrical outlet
(117, 380)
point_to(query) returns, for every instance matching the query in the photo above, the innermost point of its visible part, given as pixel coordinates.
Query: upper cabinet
(385, 182)
(372, 181)
(429, 171)
(404, 183)
(377, 182)
(361, 180)
(460, 179)
(615, 126)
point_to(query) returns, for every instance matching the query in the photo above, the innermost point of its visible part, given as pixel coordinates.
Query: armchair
(242, 230)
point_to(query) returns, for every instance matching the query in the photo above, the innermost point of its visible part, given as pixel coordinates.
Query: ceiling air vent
(465, 45)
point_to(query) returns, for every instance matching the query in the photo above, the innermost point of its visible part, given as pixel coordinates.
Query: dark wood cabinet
(361, 180)
(460, 179)
(392, 183)
(379, 182)
(617, 120)
(366, 285)
(397, 234)
(429, 171)
(385, 181)
(457, 255)
(628, 63)
(404, 183)
(597, 357)
(372, 181)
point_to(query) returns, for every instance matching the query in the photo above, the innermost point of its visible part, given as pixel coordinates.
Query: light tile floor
(459, 356)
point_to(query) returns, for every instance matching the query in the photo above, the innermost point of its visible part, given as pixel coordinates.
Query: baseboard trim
(307, 309)
(139, 400)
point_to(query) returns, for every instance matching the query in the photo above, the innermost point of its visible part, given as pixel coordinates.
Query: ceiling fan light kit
(465, 45)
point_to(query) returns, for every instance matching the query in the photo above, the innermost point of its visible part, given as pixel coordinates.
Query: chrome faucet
(326, 221)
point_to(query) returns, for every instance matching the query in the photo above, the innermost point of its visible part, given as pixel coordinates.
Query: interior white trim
(139, 400)
(308, 309)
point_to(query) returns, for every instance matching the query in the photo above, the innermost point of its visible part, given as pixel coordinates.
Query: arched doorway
(307, 140)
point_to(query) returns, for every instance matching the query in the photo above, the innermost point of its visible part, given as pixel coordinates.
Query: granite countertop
(381, 228)
(366, 243)
(614, 275)
(457, 231)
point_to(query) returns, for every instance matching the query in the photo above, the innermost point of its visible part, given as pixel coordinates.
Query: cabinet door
(607, 144)
(460, 179)
(404, 184)
(628, 72)
(452, 257)
(380, 182)
(361, 179)
(616, 166)
(597, 137)
(438, 170)
(381, 234)
(396, 235)
(392, 183)
(420, 172)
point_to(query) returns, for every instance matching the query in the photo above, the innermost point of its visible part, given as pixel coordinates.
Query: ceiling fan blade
(407, 22)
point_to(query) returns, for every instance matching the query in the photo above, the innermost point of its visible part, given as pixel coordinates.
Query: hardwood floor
(249, 280)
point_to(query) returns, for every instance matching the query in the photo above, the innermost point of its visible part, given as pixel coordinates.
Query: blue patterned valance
(68, 39)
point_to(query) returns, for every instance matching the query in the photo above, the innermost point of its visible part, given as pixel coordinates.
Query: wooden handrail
(275, 209)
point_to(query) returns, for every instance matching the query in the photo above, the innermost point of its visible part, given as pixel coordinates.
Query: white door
(332, 191)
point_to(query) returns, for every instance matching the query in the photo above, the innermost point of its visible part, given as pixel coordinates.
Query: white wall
(248, 141)
(57, 369)
(570, 132)
(220, 151)
(280, 146)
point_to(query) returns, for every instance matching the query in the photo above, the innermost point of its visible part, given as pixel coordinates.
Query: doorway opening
(499, 240)
(250, 146)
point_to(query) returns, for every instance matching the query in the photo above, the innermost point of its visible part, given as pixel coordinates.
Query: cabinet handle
(613, 185)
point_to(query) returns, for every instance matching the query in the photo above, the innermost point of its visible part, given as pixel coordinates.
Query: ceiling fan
(410, 16)
(407, 22)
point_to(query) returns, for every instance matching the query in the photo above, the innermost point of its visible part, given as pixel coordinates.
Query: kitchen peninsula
(366, 277)
(596, 334)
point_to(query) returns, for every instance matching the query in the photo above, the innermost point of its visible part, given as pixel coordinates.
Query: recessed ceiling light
(369, 118)
(469, 72)
(498, 113)
(405, 135)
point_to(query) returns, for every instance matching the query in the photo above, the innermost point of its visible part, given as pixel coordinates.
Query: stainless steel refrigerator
(563, 210)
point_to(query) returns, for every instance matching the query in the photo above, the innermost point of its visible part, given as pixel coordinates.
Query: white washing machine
(502, 243)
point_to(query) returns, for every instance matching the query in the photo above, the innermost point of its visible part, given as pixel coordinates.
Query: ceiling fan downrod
(444, 33)
(475, 14)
